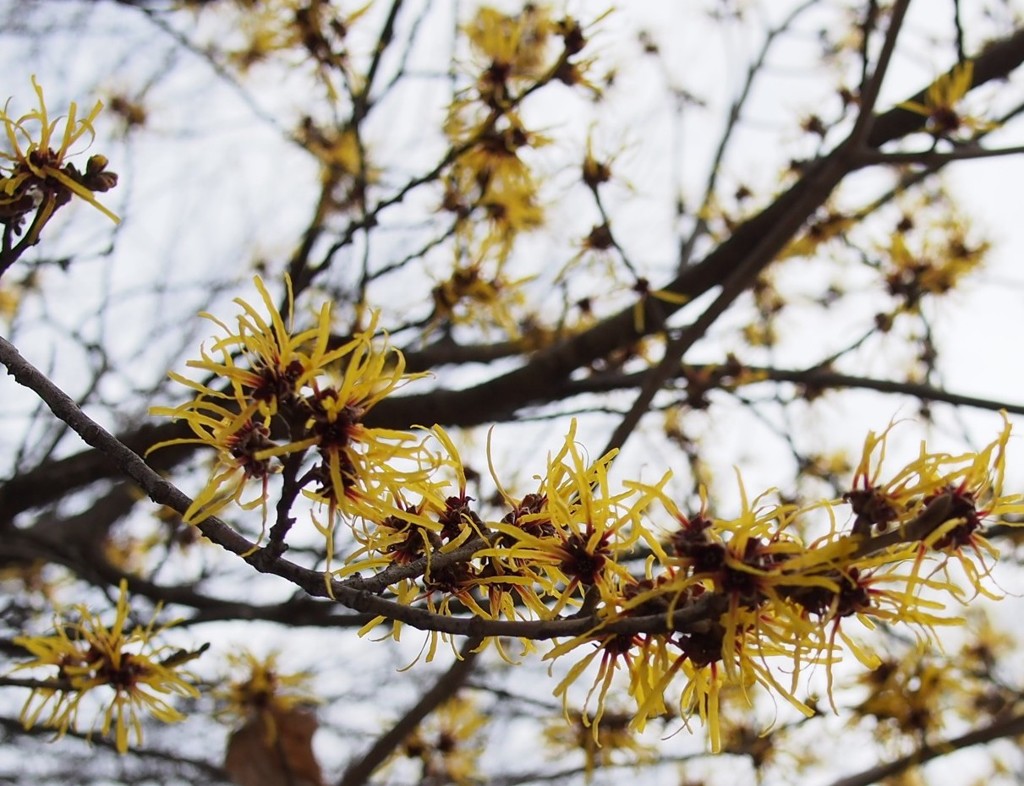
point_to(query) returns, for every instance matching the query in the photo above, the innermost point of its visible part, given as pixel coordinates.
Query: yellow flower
(878, 506)
(278, 361)
(447, 743)
(575, 532)
(266, 370)
(833, 224)
(930, 267)
(263, 690)
(9, 302)
(511, 207)
(396, 539)
(471, 296)
(38, 176)
(490, 174)
(515, 46)
(342, 155)
(359, 466)
(337, 149)
(492, 152)
(86, 655)
(912, 696)
(239, 440)
(634, 654)
(972, 482)
(940, 103)
(314, 32)
(615, 741)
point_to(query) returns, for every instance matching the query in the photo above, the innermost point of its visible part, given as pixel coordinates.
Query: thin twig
(933, 157)
(816, 379)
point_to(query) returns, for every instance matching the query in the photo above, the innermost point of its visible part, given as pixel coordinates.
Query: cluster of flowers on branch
(491, 187)
(274, 395)
(83, 657)
(683, 604)
(35, 176)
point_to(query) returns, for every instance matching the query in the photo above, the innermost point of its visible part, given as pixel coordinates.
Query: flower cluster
(613, 744)
(940, 106)
(262, 689)
(707, 606)
(342, 158)
(35, 176)
(471, 295)
(561, 546)
(735, 594)
(84, 657)
(446, 746)
(491, 187)
(919, 693)
(312, 31)
(276, 395)
(929, 253)
(274, 721)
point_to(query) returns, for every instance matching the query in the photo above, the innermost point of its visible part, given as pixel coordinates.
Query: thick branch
(995, 62)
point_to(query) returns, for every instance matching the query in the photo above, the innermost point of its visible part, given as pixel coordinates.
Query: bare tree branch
(445, 688)
(1012, 726)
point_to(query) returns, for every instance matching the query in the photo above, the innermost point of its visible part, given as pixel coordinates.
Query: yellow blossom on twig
(85, 656)
(34, 172)
(940, 103)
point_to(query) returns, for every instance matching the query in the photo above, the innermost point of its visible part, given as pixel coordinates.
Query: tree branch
(815, 379)
(869, 94)
(1005, 727)
(316, 584)
(447, 686)
(931, 158)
